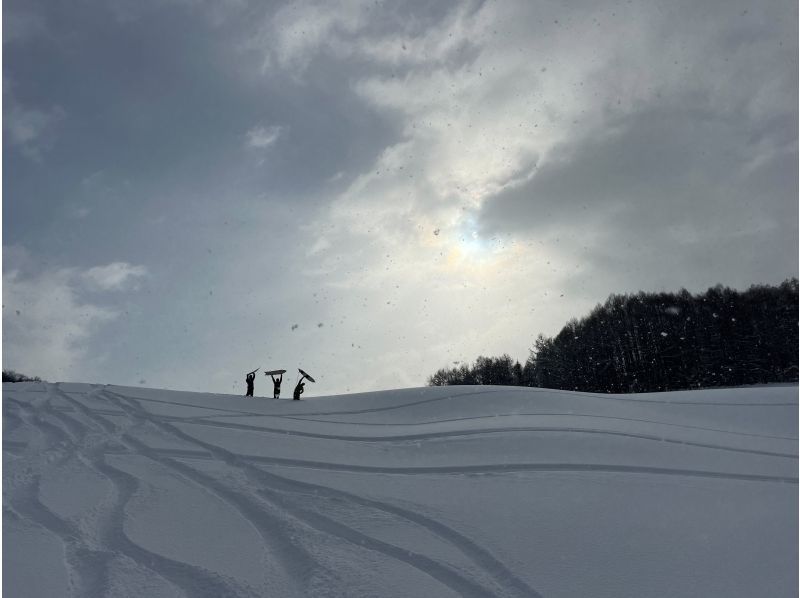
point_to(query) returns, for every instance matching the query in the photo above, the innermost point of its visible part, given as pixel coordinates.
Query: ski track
(498, 468)
(326, 523)
(282, 509)
(192, 580)
(490, 468)
(305, 416)
(90, 552)
(480, 432)
(274, 488)
(547, 393)
(504, 415)
(273, 530)
(85, 568)
(476, 553)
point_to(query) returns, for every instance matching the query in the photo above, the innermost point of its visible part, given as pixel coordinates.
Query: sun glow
(474, 246)
(468, 250)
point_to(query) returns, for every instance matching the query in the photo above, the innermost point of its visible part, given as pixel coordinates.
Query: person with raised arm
(250, 380)
(298, 390)
(276, 382)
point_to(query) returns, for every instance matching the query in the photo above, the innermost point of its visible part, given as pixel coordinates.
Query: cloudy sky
(372, 190)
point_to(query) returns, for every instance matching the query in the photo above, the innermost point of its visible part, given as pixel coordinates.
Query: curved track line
(438, 571)
(480, 432)
(262, 414)
(490, 468)
(88, 560)
(192, 579)
(114, 542)
(475, 552)
(86, 568)
(326, 525)
(498, 416)
(294, 559)
(494, 468)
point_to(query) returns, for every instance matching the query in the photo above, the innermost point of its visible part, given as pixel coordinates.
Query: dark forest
(650, 342)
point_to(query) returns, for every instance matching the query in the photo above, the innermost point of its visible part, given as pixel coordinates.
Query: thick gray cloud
(372, 190)
(681, 183)
(695, 181)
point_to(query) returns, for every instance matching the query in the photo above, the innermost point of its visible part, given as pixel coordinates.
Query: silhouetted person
(277, 384)
(249, 379)
(298, 390)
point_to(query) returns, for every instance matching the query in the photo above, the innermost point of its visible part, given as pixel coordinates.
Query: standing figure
(250, 378)
(298, 390)
(277, 384)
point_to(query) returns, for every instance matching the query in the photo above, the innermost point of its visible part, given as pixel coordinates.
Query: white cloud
(261, 136)
(46, 324)
(490, 99)
(299, 30)
(486, 93)
(480, 102)
(116, 276)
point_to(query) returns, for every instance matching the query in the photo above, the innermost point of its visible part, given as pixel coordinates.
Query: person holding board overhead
(250, 380)
(276, 383)
(298, 390)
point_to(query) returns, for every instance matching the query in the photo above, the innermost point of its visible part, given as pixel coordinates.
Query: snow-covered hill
(450, 491)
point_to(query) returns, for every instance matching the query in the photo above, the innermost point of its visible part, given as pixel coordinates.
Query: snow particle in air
(295, 326)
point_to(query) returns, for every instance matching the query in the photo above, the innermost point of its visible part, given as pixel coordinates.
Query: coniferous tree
(657, 342)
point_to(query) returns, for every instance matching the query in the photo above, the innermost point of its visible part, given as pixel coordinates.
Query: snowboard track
(292, 516)
(279, 489)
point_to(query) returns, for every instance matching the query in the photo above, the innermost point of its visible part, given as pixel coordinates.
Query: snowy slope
(451, 491)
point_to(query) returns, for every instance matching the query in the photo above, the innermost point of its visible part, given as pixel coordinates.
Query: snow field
(447, 491)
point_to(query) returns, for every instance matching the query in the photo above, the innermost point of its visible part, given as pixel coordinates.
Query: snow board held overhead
(274, 372)
(306, 375)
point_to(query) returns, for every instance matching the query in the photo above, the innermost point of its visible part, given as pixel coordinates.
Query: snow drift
(445, 491)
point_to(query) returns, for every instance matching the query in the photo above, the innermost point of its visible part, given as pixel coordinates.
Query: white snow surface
(445, 491)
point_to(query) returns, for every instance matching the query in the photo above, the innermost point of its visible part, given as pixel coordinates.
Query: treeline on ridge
(656, 342)
(12, 376)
